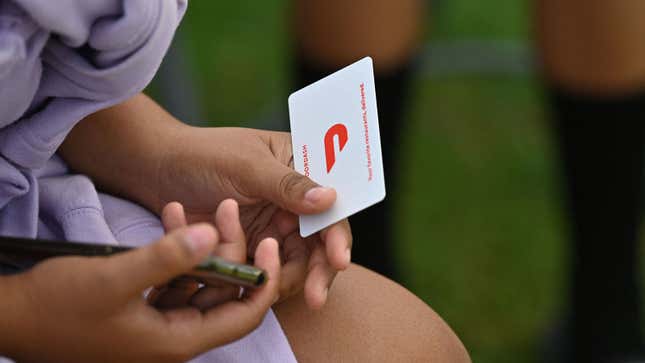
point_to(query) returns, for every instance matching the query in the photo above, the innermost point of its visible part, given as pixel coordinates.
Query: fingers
(293, 191)
(319, 278)
(232, 247)
(176, 294)
(329, 256)
(336, 255)
(338, 244)
(232, 244)
(232, 320)
(173, 255)
(294, 269)
(179, 291)
(173, 216)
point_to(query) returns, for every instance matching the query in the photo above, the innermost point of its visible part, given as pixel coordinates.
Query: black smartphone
(22, 253)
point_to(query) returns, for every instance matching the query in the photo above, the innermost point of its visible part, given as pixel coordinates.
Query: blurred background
(480, 226)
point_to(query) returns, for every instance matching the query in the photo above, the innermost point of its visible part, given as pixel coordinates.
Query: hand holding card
(336, 141)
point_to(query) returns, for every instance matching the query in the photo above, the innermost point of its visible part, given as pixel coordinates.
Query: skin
(255, 194)
(590, 47)
(594, 47)
(142, 146)
(333, 33)
(139, 151)
(379, 319)
(369, 318)
(232, 247)
(40, 324)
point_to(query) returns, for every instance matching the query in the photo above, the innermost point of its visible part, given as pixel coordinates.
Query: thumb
(295, 192)
(173, 255)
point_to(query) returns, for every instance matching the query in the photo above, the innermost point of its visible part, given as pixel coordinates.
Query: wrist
(172, 166)
(150, 141)
(123, 147)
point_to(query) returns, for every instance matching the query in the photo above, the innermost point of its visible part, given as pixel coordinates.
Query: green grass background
(480, 233)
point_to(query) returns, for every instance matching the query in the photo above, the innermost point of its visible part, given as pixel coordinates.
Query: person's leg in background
(330, 34)
(593, 58)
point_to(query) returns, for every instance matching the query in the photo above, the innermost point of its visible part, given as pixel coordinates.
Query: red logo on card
(330, 154)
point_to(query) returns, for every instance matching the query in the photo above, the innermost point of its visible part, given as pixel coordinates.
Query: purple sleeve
(61, 60)
(97, 53)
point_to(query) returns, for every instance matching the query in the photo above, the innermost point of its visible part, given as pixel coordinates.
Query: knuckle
(291, 183)
(291, 286)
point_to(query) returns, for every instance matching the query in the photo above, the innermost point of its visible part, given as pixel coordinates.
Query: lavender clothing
(61, 60)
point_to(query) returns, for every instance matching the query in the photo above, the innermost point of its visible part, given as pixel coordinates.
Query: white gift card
(336, 141)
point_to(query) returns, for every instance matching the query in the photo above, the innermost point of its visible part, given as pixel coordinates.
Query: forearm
(121, 148)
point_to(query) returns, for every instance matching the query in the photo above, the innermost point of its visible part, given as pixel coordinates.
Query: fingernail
(277, 297)
(198, 239)
(348, 255)
(314, 195)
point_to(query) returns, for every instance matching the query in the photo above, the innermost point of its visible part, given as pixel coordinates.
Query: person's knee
(332, 33)
(369, 318)
(593, 47)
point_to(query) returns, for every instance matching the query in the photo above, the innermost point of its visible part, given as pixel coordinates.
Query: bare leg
(335, 32)
(368, 318)
(330, 34)
(593, 46)
(593, 55)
